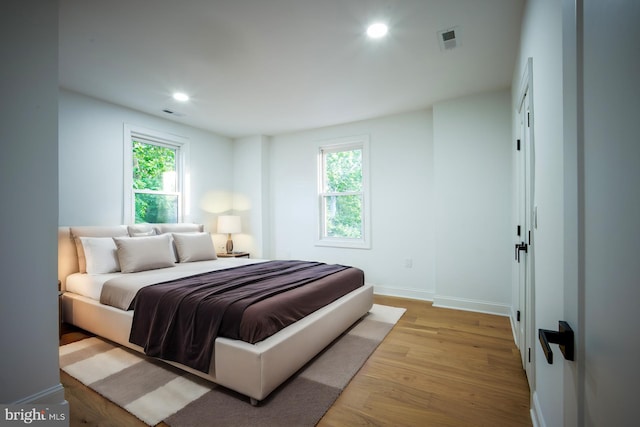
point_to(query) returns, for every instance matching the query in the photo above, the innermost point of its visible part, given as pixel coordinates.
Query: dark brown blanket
(179, 320)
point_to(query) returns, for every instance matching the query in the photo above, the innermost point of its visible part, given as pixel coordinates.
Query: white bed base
(254, 370)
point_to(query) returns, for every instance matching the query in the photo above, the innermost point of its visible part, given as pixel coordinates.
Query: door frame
(573, 190)
(526, 132)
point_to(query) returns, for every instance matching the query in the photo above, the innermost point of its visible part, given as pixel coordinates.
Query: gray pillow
(144, 253)
(194, 247)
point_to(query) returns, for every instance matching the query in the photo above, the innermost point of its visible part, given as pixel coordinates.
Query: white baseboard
(53, 395)
(537, 420)
(471, 305)
(403, 293)
(514, 328)
(448, 302)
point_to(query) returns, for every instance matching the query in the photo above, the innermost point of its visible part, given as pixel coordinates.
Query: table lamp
(229, 224)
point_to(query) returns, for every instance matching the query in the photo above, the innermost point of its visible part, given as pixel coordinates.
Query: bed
(252, 369)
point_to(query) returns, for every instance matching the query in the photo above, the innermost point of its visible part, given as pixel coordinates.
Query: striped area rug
(154, 391)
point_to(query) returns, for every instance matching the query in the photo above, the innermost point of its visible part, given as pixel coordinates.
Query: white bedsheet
(90, 285)
(87, 285)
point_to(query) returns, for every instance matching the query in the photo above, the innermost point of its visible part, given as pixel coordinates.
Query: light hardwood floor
(437, 367)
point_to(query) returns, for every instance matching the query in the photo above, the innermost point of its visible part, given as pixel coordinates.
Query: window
(154, 176)
(343, 193)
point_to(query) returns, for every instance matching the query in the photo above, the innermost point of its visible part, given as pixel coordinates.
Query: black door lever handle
(522, 246)
(564, 338)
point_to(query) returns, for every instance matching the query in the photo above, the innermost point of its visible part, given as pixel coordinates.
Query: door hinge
(528, 120)
(529, 354)
(529, 237)
(518, 315)
(518, 145)
(518, 231)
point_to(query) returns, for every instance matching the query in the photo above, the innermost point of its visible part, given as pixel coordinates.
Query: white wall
(251, 194)
(541, 39)
(271, 183)
(473, 203)
(446, 172)
(611, 177)
(29, 371)
(91, 163)
(401, 156)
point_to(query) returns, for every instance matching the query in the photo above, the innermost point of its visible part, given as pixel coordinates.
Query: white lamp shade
(229, 224)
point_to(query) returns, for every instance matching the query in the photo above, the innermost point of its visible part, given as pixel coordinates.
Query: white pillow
(194, 246)
(144, 253)
(144, 233)
(140, 231)
(93, 231)
(183, 227)
(100, 255)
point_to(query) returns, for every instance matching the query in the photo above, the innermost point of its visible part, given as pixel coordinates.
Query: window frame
(336, 145)
(162, 139)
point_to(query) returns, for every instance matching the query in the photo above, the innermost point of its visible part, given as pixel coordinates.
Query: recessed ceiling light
(377, 30)
(179, 96)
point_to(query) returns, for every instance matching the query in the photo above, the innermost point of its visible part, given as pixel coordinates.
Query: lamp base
(229, 244)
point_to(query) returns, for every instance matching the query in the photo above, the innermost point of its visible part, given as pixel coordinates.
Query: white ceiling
(276, 66)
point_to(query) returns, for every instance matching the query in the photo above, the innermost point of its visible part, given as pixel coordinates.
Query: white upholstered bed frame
(254, 370)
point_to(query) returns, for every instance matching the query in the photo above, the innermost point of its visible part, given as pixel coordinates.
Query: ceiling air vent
(449, 39)
(174, 113)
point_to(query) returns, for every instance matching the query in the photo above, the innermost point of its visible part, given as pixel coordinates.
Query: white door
(602, 188)
(519, 257)
(523, 249)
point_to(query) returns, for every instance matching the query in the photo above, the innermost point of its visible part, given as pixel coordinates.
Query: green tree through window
(343, 193)
(155, 183)
(343, 198)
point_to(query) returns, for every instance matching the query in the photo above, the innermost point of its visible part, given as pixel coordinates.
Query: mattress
(91, 285)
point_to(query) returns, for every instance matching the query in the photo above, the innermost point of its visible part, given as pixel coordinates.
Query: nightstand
(234, 255)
